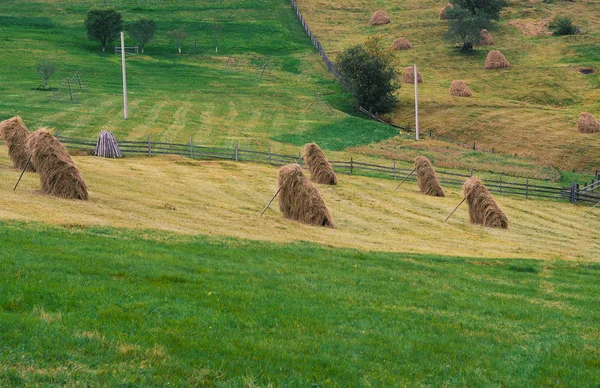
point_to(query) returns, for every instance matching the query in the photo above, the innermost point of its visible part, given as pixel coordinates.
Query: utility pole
(124, 76)
(416, 101)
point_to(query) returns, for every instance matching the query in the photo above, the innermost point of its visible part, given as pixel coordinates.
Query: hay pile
(299, 200)
(459, 88)
(401, 44)
(15, 133)
(318, 165)
(483, 209)
(486, 38)
(426, 178)
(443, 15)
(495, 60)
(408, 76)
(379, 17)
(588, 123)
(59, 176)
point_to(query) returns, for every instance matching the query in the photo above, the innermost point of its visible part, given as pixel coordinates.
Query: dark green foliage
(563, 26)
(491, 8)
(465, 27)
(103, 25)
(370, 78)
(142, 31)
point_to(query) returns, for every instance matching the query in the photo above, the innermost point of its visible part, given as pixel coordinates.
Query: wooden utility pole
(124, 76)
(416, 101)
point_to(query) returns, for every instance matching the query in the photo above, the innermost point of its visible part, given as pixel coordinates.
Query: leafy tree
(465, 27)
(491, 8)
(46, 69)
(142, 31)
(369, 73)
(103, 25)
(178, 36)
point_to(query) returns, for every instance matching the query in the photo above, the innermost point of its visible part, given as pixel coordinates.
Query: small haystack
(426, 178)
(380, 17)
(588, 123)
(483, 209)
(486, 38)
(15, 133)
(408, 76)
(107, 146)
(318, 165)
(459, 88)
(59, 176)
(443, 15)
(299, 200)
(495, 60)
(401, 44)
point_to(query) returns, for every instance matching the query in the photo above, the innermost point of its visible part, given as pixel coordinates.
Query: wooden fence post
(57, 135)
(236, 151)
(500, 183)
(149, 148)
(527, 189)
(191, 148)
(572, 193)
(269, 157)
(70, 91)
(394, 170)
(351, 165)
(474, 148)
(471, 173)
(300, 158)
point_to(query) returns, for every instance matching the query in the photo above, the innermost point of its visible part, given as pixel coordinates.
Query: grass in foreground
(108, 307)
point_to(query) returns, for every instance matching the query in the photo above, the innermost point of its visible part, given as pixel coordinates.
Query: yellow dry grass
(175, 194)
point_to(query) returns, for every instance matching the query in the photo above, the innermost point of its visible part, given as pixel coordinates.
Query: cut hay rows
(587, 123)
(318, 165)
(495, 60)
(107, 146)
(401, 44)
(299, 199)
(427, 179)
(483, 209)
(408, 76)
(59, 176)
(443, 15)
(486, 38)
(15, 133)
(459, 88)
(379, 17)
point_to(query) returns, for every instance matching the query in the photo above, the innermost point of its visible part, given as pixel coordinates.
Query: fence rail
(501, 186)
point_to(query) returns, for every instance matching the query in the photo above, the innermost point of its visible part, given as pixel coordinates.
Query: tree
(370, 75)
(46, 69)
(563, 26)
(491, 8)
(178, 36)
(142, 31)
(218, 27)
(103, 25)
(465, 28)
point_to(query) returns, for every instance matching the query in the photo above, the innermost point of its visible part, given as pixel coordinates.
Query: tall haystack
(495, 60)
(459, 88)
(588, 123)
(59, 176)
(443, 15)
(408, 76)
(483, 209)
(299, 199)
(15, 133)
(486, 38)
(401, 44)
(318, 165)
(426, 178)
(380, 17)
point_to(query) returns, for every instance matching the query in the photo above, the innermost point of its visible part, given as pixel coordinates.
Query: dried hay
(588, 123)
(380, 17)
(15, 133)
(299, 199)
(459, 88)
(318, 165)
(401, 44)
(483, 209)
(443, 15)
(486, 38)
(426, 178)
(495, 60)
(408, 76)
(59, 176)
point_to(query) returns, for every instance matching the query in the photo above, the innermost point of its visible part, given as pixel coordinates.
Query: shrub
(563, 26)
(465, 28)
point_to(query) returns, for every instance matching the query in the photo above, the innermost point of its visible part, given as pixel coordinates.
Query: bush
(465, 28)
(563, 26)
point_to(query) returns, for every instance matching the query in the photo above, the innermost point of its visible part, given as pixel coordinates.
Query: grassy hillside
(110, 307)
(530, 109)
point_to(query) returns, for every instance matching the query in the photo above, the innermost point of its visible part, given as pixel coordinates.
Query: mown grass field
(110, 307)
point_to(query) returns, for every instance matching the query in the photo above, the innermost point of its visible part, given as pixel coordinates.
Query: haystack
(483, 209)
(318, 165)
(15, 133)
(495, 60)
(401, 44)
(59, 176)
(380, 17)
(459, 88)
(299, 200)
(426, 178)
(588, 123)
(486, 38)
(443, 15)
(408, 76)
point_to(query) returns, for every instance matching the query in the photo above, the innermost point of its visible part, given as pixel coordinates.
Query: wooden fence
(502, 185)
